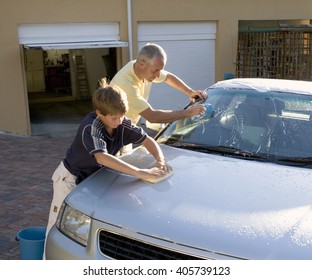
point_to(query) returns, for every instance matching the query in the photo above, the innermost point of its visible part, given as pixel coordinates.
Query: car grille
(120, 247)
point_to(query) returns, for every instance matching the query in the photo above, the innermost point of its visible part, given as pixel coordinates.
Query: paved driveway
(26, 167)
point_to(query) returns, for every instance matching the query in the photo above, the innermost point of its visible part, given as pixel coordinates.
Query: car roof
(264, 85)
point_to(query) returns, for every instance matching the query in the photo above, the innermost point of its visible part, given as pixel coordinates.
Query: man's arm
(166, 116)
(178, 84)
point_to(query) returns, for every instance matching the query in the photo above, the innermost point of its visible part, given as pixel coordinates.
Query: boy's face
(111, 121)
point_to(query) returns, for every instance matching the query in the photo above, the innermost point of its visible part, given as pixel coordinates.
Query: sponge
(156, 180)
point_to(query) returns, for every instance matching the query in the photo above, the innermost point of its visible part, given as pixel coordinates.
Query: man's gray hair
(150, 51)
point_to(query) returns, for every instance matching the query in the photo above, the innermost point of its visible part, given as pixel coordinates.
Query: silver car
(241, 186)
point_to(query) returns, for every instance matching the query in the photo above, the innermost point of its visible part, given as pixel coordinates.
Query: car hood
(237, 207)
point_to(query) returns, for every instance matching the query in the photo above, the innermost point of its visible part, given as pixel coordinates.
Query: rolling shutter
(70, 36)
(190, 47)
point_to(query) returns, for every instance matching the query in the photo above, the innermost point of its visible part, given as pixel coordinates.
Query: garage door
(70, 35)
(85, 42)
(191, 56)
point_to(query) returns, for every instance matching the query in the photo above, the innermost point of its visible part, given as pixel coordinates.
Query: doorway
(91, 49)
(60, 85)
(47, 75)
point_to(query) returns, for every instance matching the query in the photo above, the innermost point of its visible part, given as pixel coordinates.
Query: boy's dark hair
(109, 99)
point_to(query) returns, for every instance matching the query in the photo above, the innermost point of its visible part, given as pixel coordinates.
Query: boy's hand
(153, 173)
(157, 175)
(162, 165)
(159, 169)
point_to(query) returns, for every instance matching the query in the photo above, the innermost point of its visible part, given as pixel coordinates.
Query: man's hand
(197, 109)
(195, 94)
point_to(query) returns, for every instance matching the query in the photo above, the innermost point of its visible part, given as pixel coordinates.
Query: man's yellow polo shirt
(137, 91)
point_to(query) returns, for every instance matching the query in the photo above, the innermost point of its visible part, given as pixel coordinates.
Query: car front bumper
(61, 247)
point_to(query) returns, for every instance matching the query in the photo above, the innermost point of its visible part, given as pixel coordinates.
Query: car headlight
(74, 224)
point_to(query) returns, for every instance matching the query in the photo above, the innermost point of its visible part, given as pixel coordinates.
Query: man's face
(151, 69)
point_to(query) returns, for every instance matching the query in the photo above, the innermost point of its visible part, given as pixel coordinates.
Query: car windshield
(266, 125)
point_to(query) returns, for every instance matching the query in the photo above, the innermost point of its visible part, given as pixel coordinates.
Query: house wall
(14, 115)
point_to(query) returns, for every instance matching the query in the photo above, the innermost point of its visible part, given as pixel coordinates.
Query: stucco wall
(14, 116)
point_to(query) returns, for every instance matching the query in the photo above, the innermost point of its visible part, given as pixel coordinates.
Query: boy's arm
(152, 146)
(117, 164)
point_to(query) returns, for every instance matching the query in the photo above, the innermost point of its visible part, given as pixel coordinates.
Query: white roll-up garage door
(190, 47)
(70, 35)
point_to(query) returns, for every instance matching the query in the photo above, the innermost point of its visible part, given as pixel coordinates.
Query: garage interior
(59, 87)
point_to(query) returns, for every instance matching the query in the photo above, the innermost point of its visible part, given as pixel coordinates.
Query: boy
(100, 136)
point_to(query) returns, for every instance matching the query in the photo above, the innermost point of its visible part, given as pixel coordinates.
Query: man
(136, 78)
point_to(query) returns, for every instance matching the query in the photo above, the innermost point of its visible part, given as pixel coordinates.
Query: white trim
(78, 45)
(70, 35)
(129, 13)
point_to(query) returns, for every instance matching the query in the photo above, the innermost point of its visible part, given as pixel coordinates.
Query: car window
(270, 124)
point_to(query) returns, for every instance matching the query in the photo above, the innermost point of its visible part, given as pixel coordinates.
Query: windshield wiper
(302, 161)
(224, 150)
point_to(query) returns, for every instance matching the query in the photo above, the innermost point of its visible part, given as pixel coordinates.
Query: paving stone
(27, 164)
